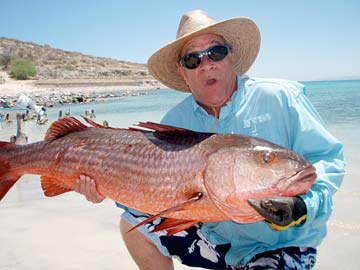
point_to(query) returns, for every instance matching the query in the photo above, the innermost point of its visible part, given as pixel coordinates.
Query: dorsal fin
(159, 127)
(147, 125)
(91, 122)
(62, 127)
(96, 125)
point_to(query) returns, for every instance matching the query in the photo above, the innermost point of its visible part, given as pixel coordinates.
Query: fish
(179, 174)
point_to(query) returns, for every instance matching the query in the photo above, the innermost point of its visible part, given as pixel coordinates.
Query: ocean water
(338, 102)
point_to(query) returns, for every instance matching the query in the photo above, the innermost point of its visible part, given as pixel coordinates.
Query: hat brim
(241, 33)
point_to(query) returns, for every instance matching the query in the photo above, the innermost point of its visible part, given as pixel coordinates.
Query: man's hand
(87, 187)
(281, 212)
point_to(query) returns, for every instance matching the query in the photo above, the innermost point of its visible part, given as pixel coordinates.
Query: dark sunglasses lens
(191, 61)
(218, 53)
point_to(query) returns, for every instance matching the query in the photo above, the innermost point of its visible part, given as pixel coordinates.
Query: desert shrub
(5, 61)
(22, 69)
(51, 56)
(69, 67)
(142, 73)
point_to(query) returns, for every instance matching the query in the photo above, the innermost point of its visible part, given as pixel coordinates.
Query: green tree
(22, 69)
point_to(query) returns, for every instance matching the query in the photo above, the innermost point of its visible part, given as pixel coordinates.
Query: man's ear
(181, 71)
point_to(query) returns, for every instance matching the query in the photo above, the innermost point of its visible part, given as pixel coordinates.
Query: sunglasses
(215, 53)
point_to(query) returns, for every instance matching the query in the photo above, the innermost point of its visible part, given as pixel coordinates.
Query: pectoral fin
(174, 225)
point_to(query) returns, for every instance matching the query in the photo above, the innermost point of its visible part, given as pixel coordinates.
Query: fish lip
(305, 175)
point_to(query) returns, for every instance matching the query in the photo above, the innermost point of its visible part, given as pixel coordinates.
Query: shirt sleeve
(315, 143)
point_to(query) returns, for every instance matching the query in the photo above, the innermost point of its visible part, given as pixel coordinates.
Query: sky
(300, 40)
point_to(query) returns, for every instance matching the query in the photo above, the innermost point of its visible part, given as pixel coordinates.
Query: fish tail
(7, 180)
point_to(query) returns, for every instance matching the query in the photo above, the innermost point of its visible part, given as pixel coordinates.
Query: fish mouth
(306, 174)
(305, 177)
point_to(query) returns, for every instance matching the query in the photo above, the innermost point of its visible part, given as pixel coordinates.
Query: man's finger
(96, 196)
(88, 190)
(265, 209)
(277, 204)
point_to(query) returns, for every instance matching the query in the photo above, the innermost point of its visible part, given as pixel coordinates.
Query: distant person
(209, 60)
(27, 103)
(4, 103)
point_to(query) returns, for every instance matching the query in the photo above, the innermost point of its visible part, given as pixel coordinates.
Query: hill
(63, 68)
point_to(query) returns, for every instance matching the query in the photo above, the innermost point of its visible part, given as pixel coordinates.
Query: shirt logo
(251, 123)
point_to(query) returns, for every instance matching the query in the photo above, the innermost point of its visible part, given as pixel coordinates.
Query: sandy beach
(68, 232)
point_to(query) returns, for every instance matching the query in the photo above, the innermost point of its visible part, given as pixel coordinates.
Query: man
(209, 59)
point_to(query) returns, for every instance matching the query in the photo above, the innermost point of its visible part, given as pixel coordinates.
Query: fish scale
(183, 175)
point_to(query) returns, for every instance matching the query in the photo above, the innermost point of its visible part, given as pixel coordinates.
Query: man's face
(211, 83)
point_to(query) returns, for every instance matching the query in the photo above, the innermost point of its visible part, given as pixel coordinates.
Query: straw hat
(241, 33)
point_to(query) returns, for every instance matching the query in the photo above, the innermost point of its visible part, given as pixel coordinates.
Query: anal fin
(52, 186)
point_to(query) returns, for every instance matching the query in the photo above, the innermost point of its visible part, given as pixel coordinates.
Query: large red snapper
(183, 175)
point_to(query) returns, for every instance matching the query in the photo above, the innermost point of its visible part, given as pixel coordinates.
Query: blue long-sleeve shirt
(277, 111)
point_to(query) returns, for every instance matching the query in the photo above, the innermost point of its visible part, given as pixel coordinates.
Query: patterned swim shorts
(191, 248)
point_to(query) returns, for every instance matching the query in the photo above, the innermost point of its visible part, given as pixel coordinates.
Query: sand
(64, 232)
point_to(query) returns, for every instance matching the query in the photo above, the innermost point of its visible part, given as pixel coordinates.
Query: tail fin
(6, 180)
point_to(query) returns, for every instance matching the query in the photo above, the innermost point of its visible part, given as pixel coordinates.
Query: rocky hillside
(59, 65)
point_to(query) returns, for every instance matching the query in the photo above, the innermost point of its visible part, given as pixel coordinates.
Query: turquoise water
(127, 111)
(338, 102)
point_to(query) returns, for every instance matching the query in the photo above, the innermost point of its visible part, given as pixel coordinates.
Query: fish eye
(266, 157)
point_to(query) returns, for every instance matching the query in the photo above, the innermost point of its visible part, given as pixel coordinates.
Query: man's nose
(206, 63)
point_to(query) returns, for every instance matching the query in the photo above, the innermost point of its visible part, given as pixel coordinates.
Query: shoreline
(55, 93)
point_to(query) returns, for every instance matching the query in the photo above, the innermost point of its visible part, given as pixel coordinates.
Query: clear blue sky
(301, 40)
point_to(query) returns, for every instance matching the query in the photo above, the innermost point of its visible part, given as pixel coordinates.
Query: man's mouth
(210, 82)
